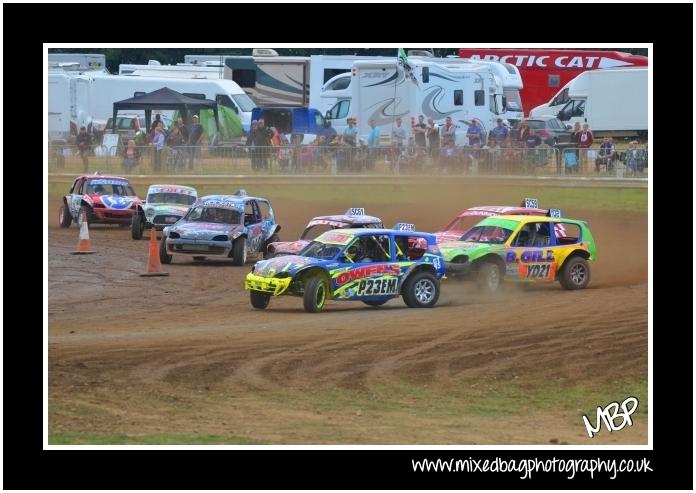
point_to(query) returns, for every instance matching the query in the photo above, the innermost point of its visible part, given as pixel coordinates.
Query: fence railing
(309, 159)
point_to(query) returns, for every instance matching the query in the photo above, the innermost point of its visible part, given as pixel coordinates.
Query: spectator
(373, 143)
(350, 134)
(174, 141)
(262, 142)
(158, 144)
(499, 132)
(251, 145)
(606, 156)
(522, 132)
(182, 129)
(585, 140)
(532, 140)
(433, 134)
(135, 124)
(194, 141)
(447, 133)
(130, 155)
(156, 121)
(84, 145)
(634, 157)
(575, 138)
(398, 138)
(419, 129)
(474, 133)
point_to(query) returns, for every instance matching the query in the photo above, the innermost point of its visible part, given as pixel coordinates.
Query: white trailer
(380, 91)
(611, 101)
(68, 104)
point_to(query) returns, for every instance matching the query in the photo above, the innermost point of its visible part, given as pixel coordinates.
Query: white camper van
(337, 88)
(107, 89)
(612, 101)
(379, 90)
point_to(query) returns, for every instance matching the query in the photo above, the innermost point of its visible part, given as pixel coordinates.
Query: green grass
(78, 438)
(583, 199)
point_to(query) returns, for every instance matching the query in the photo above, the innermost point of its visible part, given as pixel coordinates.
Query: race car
(469, 217)
(523, 248)
(231, 226)
(105, 199)
(368, 265)
(353, 218)
(164, 205)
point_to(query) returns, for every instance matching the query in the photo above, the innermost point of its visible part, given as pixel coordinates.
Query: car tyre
(165, 258)
(421, 290)
(259, 299)
(239, 251)
(137, 226)
(315, 294)
(575, 273)
(64, 217)
(489, 278)
(375, 303)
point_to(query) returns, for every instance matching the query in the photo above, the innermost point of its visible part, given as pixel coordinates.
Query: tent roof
(163, 99)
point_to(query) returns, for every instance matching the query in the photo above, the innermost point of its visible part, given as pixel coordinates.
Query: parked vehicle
(612, 101)
(544, 71)
(551, 130)
(294, 121)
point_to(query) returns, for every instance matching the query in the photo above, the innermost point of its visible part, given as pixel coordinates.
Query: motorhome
(381, 91)
(337, 88)
(611, 101)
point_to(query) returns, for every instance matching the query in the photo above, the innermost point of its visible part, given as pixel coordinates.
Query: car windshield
(323, 251)
(463, 223)
(487, 234)
(213, 215)
(170, 198)
(101, 187)
(536, 124)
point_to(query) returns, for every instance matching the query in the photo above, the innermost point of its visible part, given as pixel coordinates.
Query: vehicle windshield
(244, 102)
(170, 198)
(319, 250)
(218, 215)
(463, 223)
(514, 102)
(487, 234)
(102, 187)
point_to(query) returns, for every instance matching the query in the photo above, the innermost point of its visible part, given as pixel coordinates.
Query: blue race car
(368, 265)
(230, 226)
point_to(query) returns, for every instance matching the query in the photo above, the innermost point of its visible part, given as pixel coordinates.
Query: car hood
(452, 249)
(167, 209)
(287, 263)
(288, 246)
(204, 231)
(117, 202)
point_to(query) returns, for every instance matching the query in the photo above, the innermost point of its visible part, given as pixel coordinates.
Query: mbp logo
(609, 415)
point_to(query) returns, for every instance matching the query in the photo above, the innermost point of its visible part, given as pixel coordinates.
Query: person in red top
(584, 141)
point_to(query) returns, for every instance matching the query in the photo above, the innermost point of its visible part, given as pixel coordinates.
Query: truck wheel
(137, 227)
(165, 258)
(575, 273)
(489, 278)
(375, 303)
(239, 252)
(266, 254)
(315, 294)
(64, 217)
(259, 300)
(421, 290)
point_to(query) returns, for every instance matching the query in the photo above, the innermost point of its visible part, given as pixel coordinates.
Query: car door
(267, 218)
(75, 199)
(252, 222)
(372, 274)
(531, 254)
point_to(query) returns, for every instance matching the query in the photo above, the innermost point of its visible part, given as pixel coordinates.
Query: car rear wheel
(421, 290)
(165, 258)
(137, 227)
(259, 300)
(315, 294)
(239, 251)
(575, 273)
(266, 254)
(489, 278)
(64, 217)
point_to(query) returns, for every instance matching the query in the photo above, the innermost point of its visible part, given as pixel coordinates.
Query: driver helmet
(99, 189)
(416, 247)
(355, 251)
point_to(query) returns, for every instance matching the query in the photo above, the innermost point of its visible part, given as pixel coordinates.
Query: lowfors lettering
(367, 271)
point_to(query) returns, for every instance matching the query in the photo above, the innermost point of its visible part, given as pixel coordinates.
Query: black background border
(27, 26)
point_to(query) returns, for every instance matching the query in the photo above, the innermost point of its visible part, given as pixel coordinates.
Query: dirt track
(188, 354)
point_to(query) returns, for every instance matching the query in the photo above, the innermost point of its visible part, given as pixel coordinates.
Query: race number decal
(380, 286)
(555, 213)
(356, 211)
(404, 227)
(538, 271)
(531, 203)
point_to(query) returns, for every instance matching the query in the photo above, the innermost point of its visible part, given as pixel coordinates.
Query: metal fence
(340, 159)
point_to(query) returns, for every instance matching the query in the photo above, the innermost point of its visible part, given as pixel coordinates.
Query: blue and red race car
(104, 199)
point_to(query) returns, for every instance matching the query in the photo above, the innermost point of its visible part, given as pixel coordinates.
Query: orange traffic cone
(84, 246)
(154, 266)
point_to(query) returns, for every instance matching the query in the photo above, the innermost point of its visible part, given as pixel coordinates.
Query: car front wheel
(239, 252)
(137, 227)
(165, 258)
(64, 217)
(259, 300)
(315, 294)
